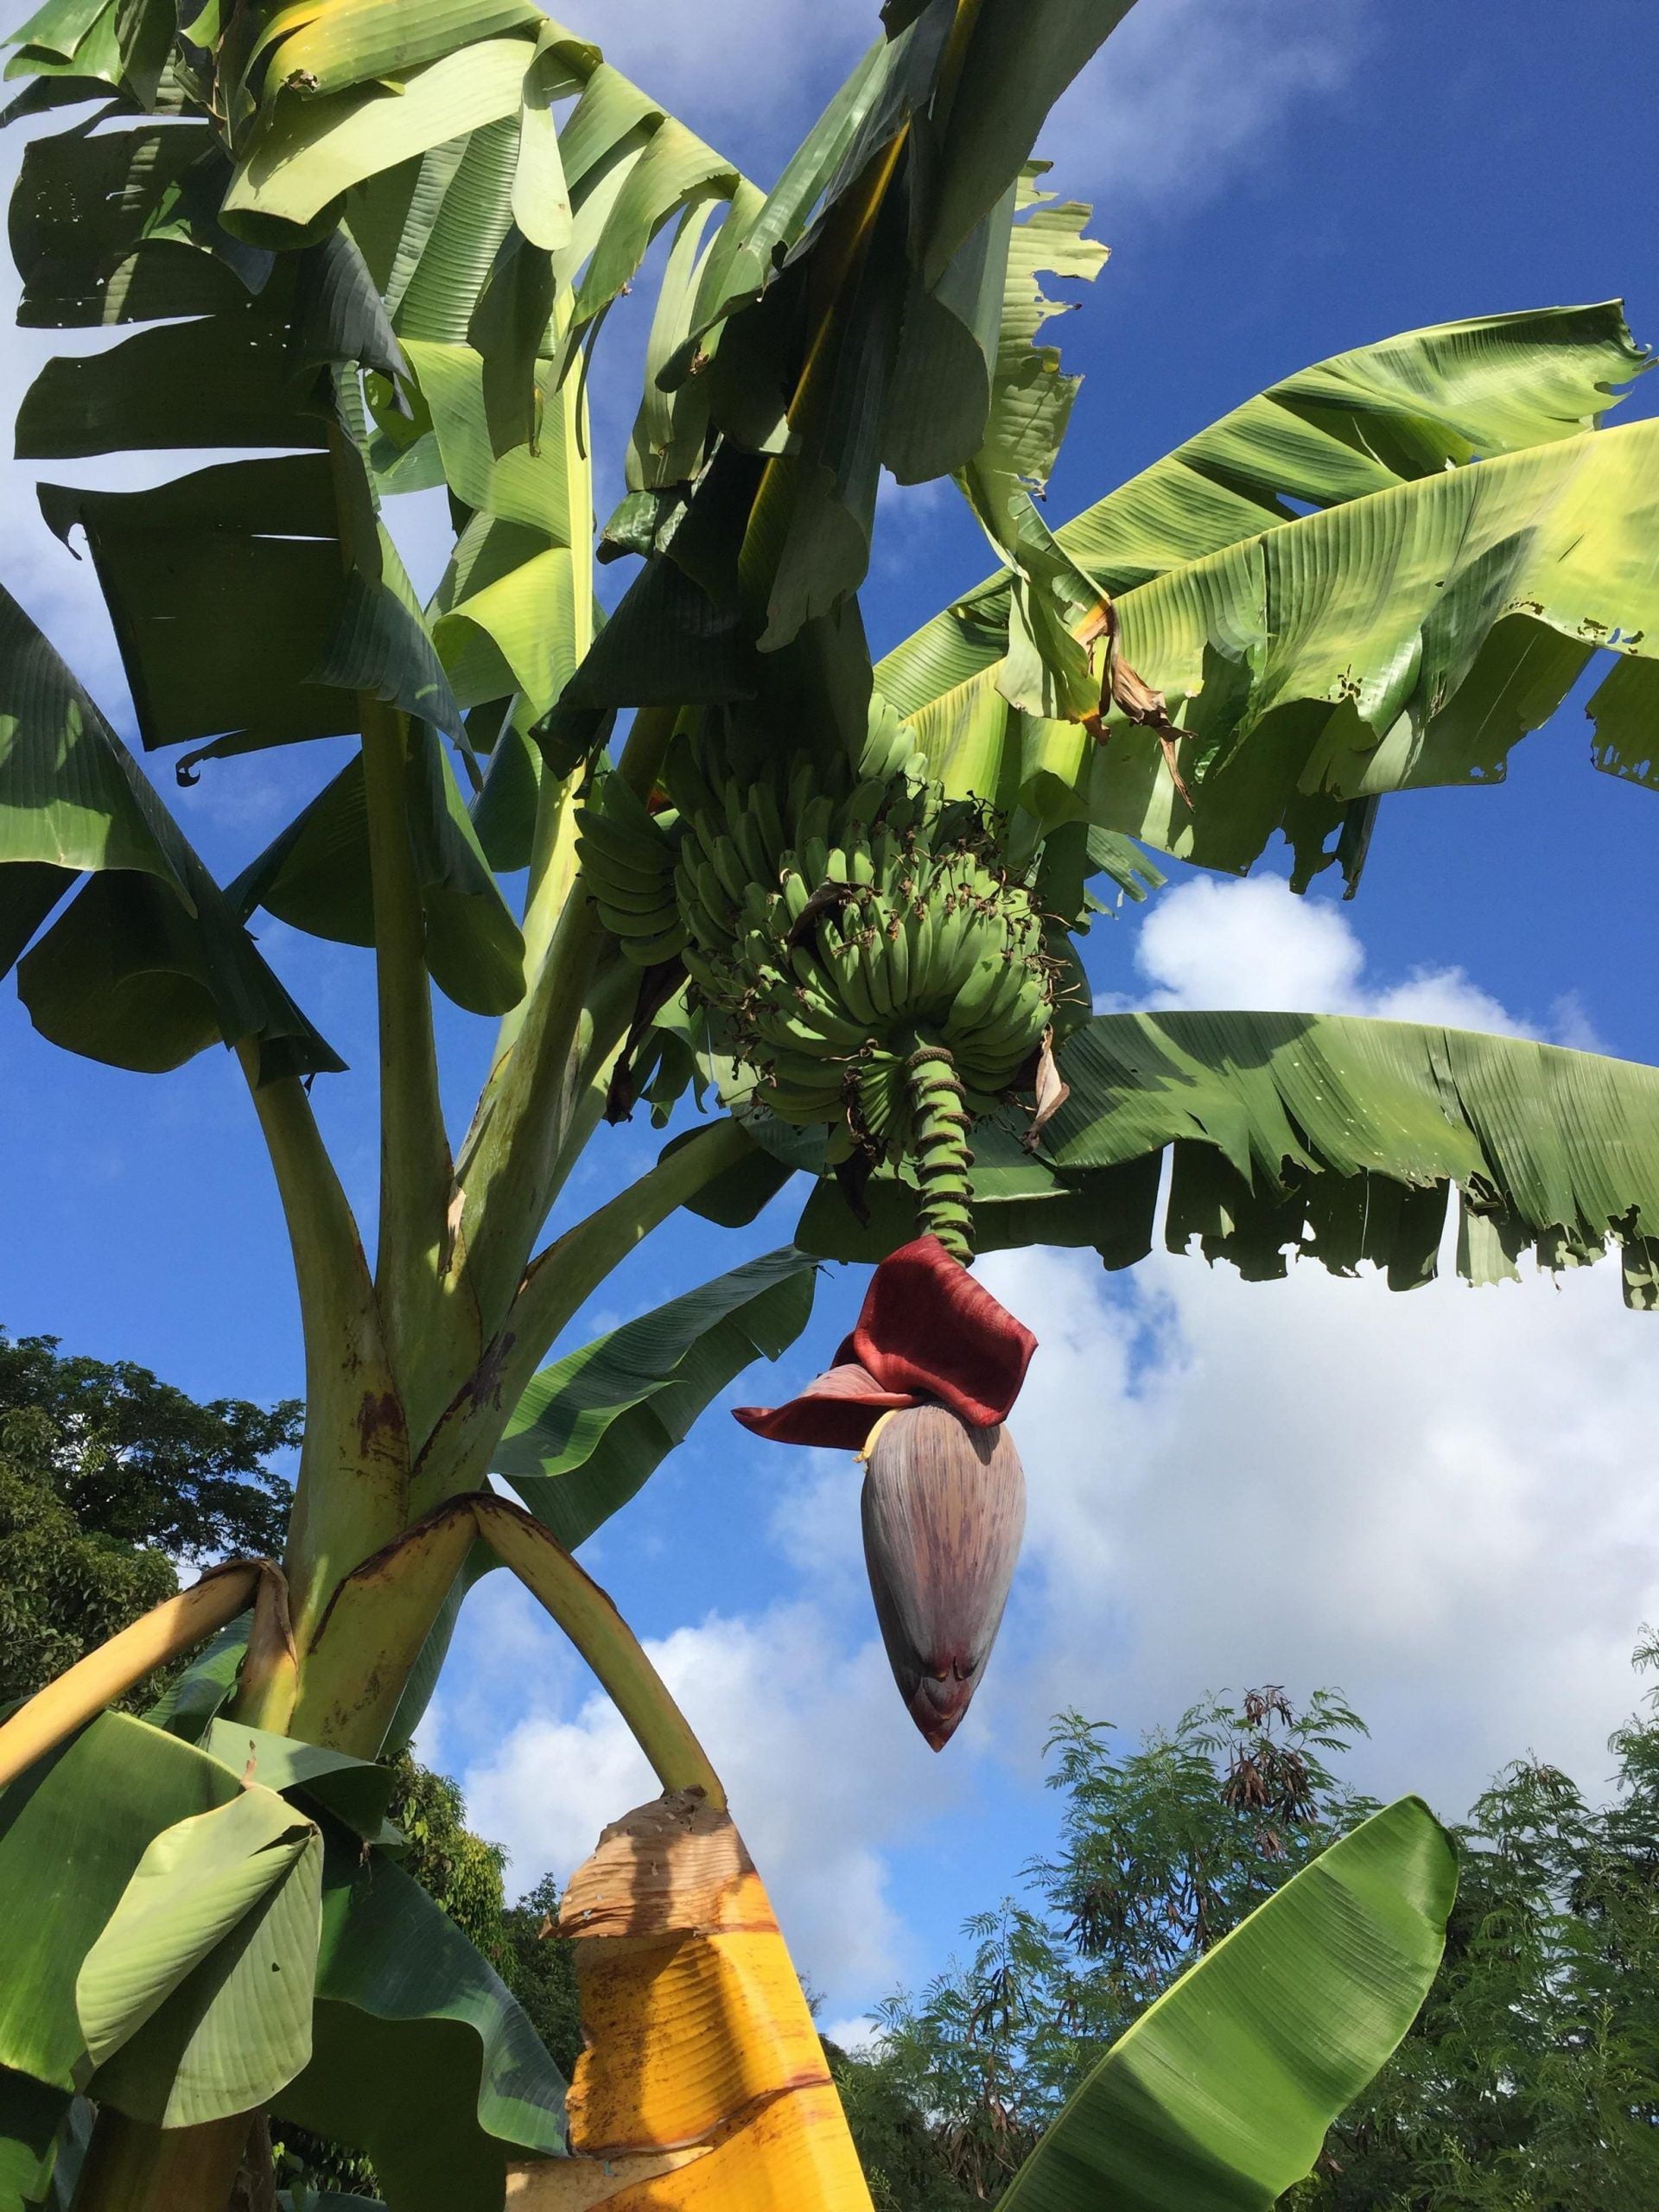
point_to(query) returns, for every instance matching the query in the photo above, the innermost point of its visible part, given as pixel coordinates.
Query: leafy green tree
(706, 854)
(62, 1590)
(109, 1479)
(540, 1973)
(1164, 1850)
(1528, 2083)
(138, 1460)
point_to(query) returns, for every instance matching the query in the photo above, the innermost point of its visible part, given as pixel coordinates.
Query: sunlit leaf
(1218, 2097)
(591, 1429)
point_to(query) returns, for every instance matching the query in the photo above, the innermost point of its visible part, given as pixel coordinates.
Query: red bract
(928, 1334)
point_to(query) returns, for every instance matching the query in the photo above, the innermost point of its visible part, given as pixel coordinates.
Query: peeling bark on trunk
(703, 2086)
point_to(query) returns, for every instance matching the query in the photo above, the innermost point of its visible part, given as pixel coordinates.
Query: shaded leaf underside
(1337, 1139)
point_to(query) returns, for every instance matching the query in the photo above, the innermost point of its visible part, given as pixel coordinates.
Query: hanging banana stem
(940, 1121)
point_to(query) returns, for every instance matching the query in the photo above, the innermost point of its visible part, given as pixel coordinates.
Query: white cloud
(1441, 1500)
(1253, 945)
(1187, 93)
(754, 65)
(1184, 92)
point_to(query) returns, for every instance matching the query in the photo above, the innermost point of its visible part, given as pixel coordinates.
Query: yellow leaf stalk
(166, 1631)
(703, 2086)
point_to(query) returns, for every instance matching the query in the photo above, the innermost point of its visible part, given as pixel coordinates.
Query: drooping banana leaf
(1047, 670)
(315, 877)
(120, 228)
(72, 1831)
(421, 2058)
(1379, 420)
(1342, 1139)
(1218, 2097)
(196, 2000)
(148, 964)
(591, 1429)
(219, 543)
(461, 217)
(355, 1791)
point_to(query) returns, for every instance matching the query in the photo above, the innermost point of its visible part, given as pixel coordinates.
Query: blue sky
(1440, 1503)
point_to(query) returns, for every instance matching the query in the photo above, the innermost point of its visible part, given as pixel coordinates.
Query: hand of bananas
(859, 940)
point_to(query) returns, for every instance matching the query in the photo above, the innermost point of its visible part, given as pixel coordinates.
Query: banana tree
(823, 916)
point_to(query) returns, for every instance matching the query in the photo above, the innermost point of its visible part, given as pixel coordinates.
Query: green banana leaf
(196, 2000)
(1365, 424)
(1361, 422)
(1218, 2097)
(420, 2059)
(356, 1791)
(419, 2055)
(72, 1830)
(592, 1429)
(30, 2116)
(147, 965)
(1407, 640)
(190, 1704)
(1342, 1139)
(1019, 57)
(929, 138)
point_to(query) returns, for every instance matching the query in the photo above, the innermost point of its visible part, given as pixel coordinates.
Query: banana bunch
(858, 940)
(850, 931)
(627, 863)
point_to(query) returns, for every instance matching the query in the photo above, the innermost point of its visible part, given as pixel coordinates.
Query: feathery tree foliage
(1527, 2083)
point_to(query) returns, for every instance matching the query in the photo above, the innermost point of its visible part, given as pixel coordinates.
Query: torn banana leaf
(1407, 640)
(876, 341)
(252, 548)
(121, 228)
(148, 964)
(224, 379)
(1328, 1137)
(1387, 420)
(592, 1429)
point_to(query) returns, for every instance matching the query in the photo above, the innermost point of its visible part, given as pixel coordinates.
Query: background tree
(109, 1480)
(1529, 2083)
(137, 1459)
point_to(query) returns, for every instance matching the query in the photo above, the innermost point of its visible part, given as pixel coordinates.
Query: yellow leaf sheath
(703, 2086)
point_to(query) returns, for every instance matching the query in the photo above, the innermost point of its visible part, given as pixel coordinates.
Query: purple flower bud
(944, 1509)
